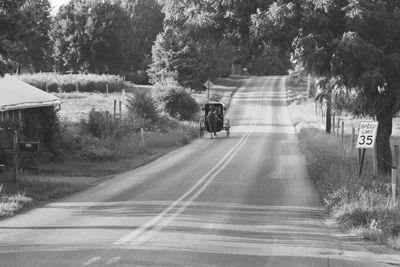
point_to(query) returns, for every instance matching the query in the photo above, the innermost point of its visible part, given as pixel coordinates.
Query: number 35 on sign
(367, 134)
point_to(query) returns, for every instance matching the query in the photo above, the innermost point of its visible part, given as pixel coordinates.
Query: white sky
(56, 4)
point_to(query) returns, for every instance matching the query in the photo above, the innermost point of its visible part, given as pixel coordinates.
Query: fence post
(394, 186)
(394, 173)
(115, 109)
(107, 88)
(142, 136)
(120, 114)
(77, 87)
(353, 135)
(338, 127)
(375, 161)
(342, 133)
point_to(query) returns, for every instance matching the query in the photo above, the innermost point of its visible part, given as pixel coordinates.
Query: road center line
(139, 235)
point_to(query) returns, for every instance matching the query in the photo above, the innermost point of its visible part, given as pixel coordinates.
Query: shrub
(52, 87)
(142, 105)
(94, 153)
(68, 87)
(99, 124)
(181, 105)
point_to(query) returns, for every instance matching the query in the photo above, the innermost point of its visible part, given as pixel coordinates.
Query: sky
(56, 4)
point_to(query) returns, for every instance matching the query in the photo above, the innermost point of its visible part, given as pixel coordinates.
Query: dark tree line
(24, 34)
(95, 36)
(202, 40)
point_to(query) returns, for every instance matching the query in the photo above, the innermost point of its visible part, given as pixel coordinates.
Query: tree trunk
(328, 112)
(383, 142)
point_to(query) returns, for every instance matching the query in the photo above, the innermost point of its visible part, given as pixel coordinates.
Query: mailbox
(28, 146)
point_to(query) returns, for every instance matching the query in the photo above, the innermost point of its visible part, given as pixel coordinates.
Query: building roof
(16, 94)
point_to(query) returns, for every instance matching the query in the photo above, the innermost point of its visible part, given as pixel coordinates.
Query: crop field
(76, 105)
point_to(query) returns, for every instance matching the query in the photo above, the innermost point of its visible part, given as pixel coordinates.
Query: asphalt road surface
(245, 201)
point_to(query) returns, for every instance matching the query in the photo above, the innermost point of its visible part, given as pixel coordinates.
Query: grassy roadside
(97, 159)
(362, 206)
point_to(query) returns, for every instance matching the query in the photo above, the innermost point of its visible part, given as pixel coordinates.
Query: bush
(99, 124)
(181, 105)
(94, 153)
(68, 87)
(142, 105)
(52, 87)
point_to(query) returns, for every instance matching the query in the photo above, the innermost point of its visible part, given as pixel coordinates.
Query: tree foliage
(181, 105)
(105, 36)
(24, 40)
(202, 39)
(353, 44)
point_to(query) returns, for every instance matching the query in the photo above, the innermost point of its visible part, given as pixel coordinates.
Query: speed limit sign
(367, 134)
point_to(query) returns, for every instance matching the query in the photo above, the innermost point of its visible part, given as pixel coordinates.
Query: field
(76, 106)
(88, 161)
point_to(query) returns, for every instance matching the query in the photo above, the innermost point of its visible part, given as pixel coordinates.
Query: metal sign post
(366, 140)
(208, 84)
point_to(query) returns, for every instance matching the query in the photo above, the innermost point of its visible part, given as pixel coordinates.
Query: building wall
(11, 115)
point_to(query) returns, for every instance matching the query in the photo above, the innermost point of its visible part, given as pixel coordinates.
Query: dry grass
(362, 205)
(28, 191)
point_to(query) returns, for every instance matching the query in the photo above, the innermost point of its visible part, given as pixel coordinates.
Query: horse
(212, 120)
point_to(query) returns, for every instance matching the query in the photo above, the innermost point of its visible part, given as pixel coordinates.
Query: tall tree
(24, 26)
(105, 36)
(69, 36)
(189, 43)
(354, 44)
(368, 64)
(36, 40)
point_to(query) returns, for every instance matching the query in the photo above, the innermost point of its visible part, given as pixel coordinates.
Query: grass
(362, 205)
(87, 160)
(30, 191)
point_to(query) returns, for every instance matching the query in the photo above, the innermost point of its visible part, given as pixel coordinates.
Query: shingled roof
(16, 94)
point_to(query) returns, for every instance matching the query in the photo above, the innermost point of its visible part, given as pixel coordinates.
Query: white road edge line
(113, 260)
(130, 237)
(91, 261)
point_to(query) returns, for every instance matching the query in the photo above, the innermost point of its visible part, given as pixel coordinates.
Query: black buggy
(213, 120)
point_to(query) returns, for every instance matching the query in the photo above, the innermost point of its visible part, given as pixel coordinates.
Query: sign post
(209, 85)
(366, 140)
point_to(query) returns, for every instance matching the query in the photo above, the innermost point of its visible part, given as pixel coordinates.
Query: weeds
(18, 196)
(363, 205)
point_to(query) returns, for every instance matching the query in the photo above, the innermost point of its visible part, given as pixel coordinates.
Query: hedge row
(53, 82)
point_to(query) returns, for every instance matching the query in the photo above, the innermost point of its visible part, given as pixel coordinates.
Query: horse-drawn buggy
(213, 120)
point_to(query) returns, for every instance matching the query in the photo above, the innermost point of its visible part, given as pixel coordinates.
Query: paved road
(245, 200)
